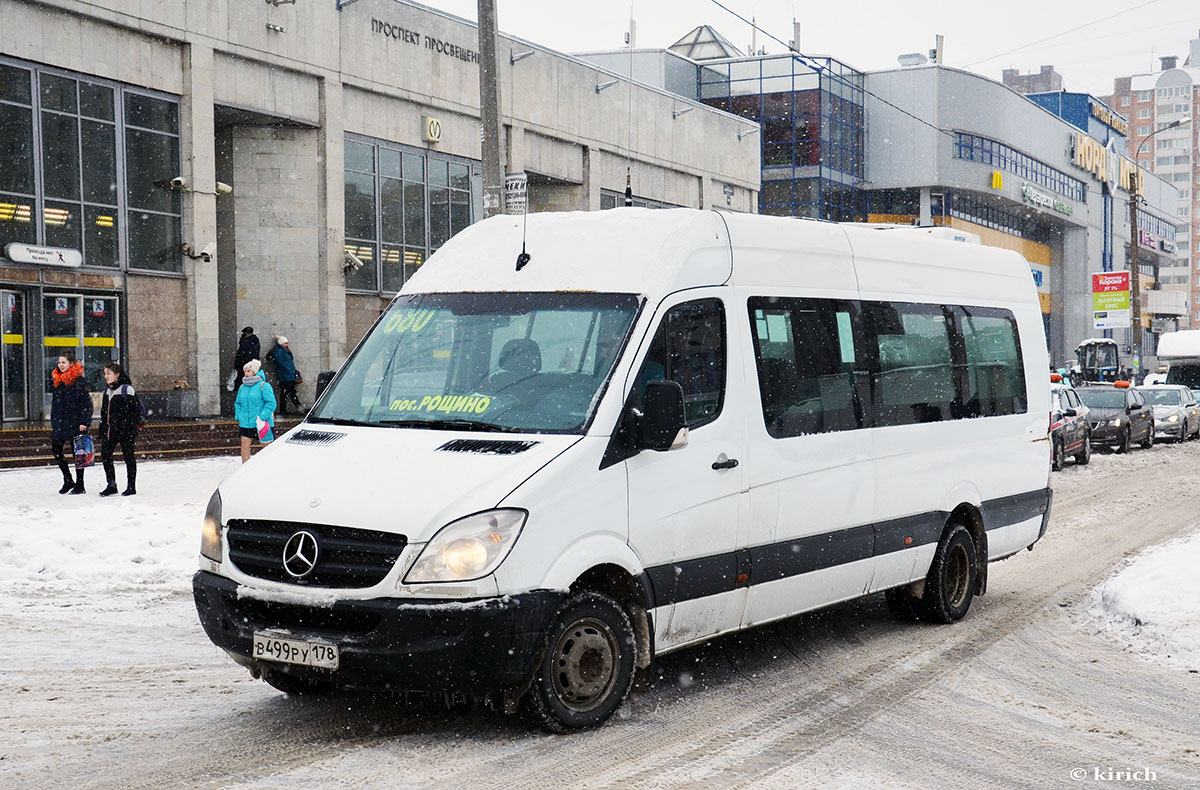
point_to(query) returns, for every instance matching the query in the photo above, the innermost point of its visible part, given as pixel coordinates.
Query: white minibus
(568, 447)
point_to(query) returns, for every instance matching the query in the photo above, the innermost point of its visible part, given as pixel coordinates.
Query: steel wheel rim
(584, 664)
(958, 574)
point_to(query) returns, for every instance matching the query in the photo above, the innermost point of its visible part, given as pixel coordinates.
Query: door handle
(726, 463)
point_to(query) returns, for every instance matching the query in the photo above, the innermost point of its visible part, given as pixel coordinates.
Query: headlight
(469, 548)
(210, 537)
(1116, 423)
(1173, 418)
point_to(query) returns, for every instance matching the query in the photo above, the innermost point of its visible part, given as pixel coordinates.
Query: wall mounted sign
(1103, 162)
(1167, 246)
(45, 256)
(416, 38)
(60, 305)
(516, 193)
(1109, 118)
(433, 129)
(1035, 198)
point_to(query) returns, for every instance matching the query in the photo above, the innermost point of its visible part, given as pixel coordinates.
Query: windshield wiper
(338, 421)
(451, 425)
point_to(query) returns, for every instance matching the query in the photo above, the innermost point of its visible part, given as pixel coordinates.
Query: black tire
(296, 686)
(1084, 456)
(586, 670)
(1149, 440)
(903, 605)
(950, 585)
(1126, 440)
(1058, 457)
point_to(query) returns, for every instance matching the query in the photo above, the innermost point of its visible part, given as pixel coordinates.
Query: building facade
(172, 172)
(979, 156)
(1153, 102)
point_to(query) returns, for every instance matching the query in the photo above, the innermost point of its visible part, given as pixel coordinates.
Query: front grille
(347, 557)
(486, 446)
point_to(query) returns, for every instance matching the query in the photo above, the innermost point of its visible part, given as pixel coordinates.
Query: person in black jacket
(120, 418)
(248, 348)
(70, 416)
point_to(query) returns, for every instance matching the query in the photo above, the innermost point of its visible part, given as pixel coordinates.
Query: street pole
(489, 111)
(1135, 271)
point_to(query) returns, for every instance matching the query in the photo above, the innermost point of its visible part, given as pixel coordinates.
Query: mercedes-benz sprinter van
(565, 449)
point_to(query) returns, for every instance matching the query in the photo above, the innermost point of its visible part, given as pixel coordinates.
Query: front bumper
(481, 646)
(1164, 428)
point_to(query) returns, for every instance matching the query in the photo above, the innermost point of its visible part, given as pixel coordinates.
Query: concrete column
(926, 208)
(590, 191)
(1077, 291)
(514, 160)
(331, 212)
(197, 139)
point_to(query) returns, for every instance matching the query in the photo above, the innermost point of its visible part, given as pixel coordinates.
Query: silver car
(1176, 413)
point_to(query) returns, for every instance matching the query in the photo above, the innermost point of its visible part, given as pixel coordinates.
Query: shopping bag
(231, 382)
(264, 430)
(85, 451)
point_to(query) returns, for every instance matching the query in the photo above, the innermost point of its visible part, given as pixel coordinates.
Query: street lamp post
(1135, 272)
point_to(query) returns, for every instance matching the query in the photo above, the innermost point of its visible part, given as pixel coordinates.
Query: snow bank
(1151, 604)
(60, 550)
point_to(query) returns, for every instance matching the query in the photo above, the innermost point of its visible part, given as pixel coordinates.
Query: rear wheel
(950, 585)
(1084, 456)
(587, 669)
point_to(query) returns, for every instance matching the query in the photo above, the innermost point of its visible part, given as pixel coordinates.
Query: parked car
(1118, 415)
(1176, 413)
(1070, 433)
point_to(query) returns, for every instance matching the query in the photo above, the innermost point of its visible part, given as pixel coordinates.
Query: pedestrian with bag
(285, 371)
(70, 416)
(254, 408)
(120, 419)
(248, 348)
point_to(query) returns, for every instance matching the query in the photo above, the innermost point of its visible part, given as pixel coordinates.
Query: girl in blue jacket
(255, 401)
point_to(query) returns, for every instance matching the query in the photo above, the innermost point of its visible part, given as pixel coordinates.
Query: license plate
(294, 651)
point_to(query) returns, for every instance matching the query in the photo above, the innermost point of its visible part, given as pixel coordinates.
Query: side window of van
(689, 348)
(995, 381)
(806, 356)
(915, 379)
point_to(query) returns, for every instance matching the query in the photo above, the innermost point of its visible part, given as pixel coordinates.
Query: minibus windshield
(505, 362)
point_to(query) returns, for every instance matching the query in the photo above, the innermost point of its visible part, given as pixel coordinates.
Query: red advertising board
(1108, 282)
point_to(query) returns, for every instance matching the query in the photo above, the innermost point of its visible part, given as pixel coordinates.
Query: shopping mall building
(171, 172)
(935, 145)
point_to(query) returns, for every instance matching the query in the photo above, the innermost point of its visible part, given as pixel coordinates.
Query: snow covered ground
(1152, 604)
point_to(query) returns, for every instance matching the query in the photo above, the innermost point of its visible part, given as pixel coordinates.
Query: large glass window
(508, 362)
(103, 156)
(401, 205)
(689, 348)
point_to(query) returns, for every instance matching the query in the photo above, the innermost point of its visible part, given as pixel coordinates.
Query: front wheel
(1149, 441)
(950, 585)
(1084, 457)
(587, 668)
(1126, 440)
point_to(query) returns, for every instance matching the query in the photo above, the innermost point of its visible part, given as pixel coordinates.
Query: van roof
(658, 251)
(1184, 343)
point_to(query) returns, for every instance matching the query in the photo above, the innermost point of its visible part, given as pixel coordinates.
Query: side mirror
(1070, 413)
(662, 423)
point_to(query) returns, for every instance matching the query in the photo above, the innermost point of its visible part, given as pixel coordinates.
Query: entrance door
(13, 398)
(86, 325)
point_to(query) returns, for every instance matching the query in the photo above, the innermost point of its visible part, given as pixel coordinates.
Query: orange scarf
(68, 378)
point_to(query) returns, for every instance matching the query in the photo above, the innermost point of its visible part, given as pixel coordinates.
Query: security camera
(353, 262)
(209, 251)
(178, 182)
(223, 188)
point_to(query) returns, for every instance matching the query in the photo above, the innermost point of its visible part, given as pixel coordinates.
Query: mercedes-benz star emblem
(300, 554)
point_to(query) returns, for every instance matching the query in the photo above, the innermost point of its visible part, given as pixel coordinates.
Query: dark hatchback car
(1118, 415)
(1070, 433)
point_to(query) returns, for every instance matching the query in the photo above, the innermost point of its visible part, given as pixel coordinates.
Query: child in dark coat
(70, 416)
(120, 419)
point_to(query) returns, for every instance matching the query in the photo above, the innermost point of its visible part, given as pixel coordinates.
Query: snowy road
(110, 683)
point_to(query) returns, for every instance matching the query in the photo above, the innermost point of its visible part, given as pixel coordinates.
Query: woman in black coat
(70, 416)
(120, 419)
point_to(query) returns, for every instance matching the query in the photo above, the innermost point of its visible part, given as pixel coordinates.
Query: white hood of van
(387, 479)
